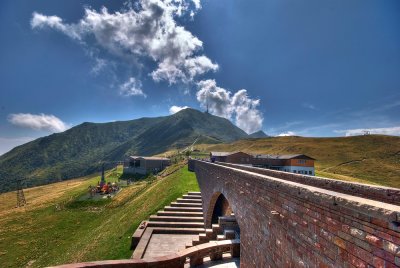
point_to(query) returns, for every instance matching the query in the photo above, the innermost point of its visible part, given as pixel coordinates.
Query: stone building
(231, 157)
(294, 163)
(145, 165)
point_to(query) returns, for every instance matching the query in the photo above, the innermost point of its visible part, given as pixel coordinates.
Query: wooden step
(216, 228)
(186, 200)
(175, 224)
(194, 193)
(176, 204)
(184, 209)
(220, 237)
(186, 196)
(174, 230)
(176, 218)
(229, 234)
(196, 241)
(203, 238)
(180, 213)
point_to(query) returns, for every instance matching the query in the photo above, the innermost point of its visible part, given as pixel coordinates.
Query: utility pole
(20, 194)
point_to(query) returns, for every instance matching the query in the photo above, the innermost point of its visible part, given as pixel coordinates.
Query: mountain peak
(258, 134)
(77, 151)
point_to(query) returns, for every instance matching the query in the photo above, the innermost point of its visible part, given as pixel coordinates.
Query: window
(294, 171)
(310, 172)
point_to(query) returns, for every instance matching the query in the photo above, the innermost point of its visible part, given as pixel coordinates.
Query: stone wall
(287, 224)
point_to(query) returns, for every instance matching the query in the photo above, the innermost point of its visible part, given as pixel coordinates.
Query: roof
(220, 153)
(149, 158)
(283, 156)
(226, 153)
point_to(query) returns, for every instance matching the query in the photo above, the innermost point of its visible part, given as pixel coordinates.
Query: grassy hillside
(80, 150)
(56, 228)
(371, 159)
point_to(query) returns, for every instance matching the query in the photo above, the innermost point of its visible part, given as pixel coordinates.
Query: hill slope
(38, 235)
(79, 150)
(373, 158)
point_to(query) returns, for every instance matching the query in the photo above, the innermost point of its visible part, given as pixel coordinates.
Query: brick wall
(288, 224)
(384, 194)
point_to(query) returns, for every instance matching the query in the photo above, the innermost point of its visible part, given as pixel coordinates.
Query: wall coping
(384, 211)
(380, 193)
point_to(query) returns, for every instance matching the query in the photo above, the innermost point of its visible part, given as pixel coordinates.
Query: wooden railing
(195, 254)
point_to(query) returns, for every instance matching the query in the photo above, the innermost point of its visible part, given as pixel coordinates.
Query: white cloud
(149, 32)
(394, 131)
(197, 4)
(216, 99)
(38, 122)
(100, 64)
(174, 109)
(6, 144)
(286, 134)
(247, 117)
(221, 102)
(132, 87)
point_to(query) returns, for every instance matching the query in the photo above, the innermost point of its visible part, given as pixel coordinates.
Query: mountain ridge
(79, 150)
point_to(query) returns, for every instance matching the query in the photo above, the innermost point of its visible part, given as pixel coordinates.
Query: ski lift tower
(21, 201)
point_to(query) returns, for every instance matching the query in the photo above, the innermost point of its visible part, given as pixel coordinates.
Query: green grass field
(373, 159)
(40, 235)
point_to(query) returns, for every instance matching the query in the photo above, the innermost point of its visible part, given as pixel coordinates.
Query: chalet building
(231, 157)
(295, 163)
(145, 165)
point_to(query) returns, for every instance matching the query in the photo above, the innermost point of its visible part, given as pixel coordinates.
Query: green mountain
(80, 150)
(257, 135)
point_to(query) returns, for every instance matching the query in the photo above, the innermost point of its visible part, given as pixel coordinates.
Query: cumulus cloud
(394, 131)
(148, 32)
(221, 102)
(132, 87)
(216, 99)
(174, 109)
(38, 122)
(286, 134)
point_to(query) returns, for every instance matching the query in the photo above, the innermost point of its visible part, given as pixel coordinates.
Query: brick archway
(296, 220)
(218, 206)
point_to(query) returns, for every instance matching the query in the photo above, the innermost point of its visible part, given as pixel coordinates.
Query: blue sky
(310, 68)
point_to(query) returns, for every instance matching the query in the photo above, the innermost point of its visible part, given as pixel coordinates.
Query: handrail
(196, 254)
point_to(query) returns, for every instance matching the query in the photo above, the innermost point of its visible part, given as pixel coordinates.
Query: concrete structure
(295, 163)
(294, 220)
(231, 157)
(145, 165)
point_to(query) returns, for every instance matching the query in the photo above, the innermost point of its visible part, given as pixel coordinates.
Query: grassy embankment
(40, 234)
(373, 159)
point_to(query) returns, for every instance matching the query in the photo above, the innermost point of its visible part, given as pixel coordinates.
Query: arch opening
(221, 217)
(221, 208)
